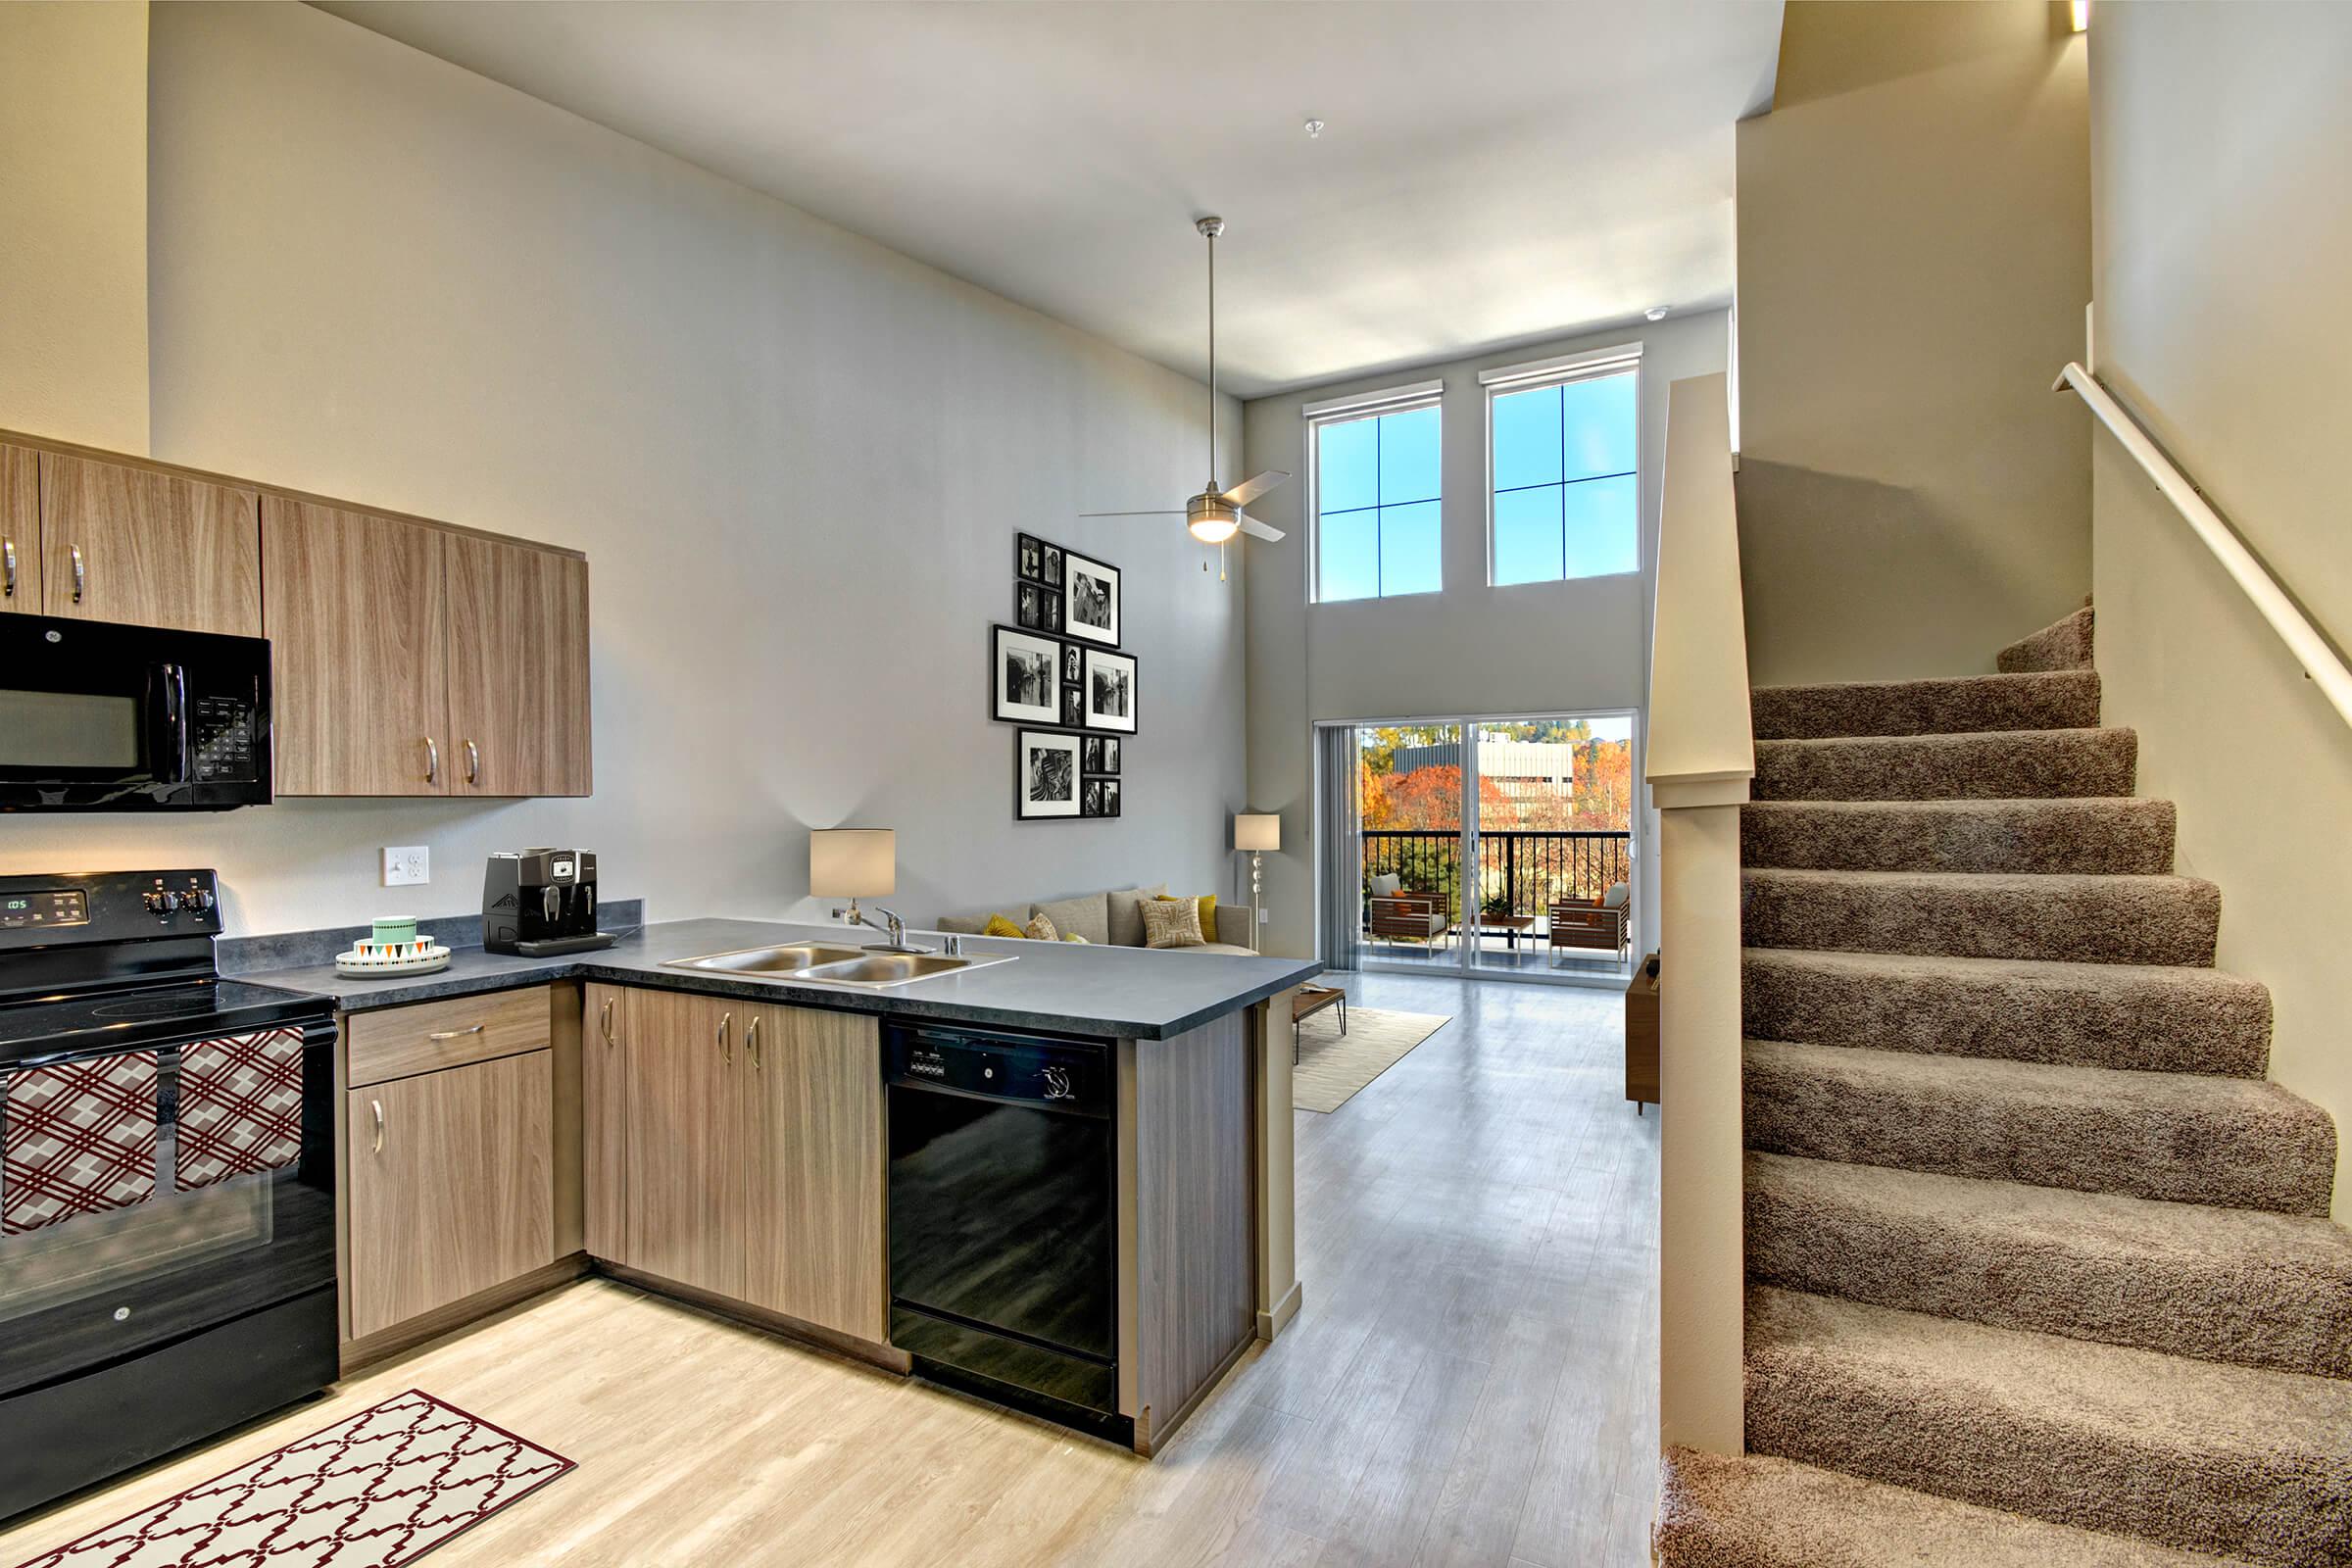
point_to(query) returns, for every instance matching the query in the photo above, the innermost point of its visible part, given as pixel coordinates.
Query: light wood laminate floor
(1472, 1381)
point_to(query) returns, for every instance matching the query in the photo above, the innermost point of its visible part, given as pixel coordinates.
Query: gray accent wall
(796, 461)
(1469, 649)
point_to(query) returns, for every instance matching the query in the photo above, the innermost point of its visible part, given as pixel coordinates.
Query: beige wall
(1914, 259)
(795, 459)
(1470, 649)
(2224, 239)
(73, 220)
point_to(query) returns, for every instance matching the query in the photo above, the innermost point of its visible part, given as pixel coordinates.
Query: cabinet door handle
(455, 1034)
(726, 1052)
(473, 764)
(8, 548)
(751, 1042)
(378, 1106)
(432, 762)
(80, 572)
(606, 1021)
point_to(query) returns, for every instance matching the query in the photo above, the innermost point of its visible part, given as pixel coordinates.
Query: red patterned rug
(380, 1489)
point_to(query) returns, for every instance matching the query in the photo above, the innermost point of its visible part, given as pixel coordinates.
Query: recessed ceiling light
(1314, 130)
(1656, 312)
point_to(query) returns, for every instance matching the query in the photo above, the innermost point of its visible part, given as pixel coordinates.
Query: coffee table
(1305, 1002)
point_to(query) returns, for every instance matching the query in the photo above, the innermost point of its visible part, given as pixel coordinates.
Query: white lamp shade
(1254, 831)
(852, 862)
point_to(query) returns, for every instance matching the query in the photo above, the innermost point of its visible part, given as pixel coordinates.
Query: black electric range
(166, 1181)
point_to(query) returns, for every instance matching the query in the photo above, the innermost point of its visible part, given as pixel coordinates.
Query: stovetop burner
(142, 1007)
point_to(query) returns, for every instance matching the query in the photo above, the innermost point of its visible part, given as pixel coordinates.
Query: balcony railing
(1520, 871)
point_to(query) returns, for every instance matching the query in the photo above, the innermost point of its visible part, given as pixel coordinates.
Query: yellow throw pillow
(998, 926)
(1207, 903)
(1172, 923)
(1072, 936)
(1042, 929)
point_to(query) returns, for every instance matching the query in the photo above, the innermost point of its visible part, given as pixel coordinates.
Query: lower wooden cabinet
(450, 1186)
(737, 1148)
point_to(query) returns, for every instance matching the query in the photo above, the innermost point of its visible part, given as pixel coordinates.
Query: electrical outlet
(407, 865)
(1265, 918)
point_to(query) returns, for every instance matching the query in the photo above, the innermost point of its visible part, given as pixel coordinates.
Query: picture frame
(1037, 608)
(1025, 684)
(1099, 798)
(1046, 785)
(1073, 664)
(1108, 691)
(1073, 708)
(1029, 560)
(1102, 754)
(1090, 598)
(1053, 564)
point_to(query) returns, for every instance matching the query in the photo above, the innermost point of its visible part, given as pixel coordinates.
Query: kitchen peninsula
(784, 1151)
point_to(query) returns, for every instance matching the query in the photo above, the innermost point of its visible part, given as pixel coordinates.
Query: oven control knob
(200, 900)
(169, 902)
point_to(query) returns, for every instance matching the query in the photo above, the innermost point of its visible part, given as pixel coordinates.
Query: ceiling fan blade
(1249, 490)
(1260, 531)
(1164, 512)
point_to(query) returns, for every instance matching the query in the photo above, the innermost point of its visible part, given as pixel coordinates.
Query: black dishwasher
(1003, 1244)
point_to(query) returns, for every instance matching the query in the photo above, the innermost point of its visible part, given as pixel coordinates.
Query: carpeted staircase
(2039, 1268)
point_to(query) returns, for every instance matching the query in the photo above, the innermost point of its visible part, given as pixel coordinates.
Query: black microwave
(101, 717)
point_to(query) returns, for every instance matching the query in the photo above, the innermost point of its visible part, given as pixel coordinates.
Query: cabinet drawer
(398, 1042)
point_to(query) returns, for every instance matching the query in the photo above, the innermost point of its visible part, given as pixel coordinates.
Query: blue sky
(1565, 502)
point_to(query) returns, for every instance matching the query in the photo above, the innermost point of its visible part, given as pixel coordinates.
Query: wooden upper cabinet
(151, 548)
(452, 1186)
(815, 1135)
(20, 531)
(355, 608)
(517, 669)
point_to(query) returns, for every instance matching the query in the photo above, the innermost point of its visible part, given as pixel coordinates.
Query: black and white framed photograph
(1108, 690)
(1044, 775)
(1090, 599)
(1102, 753)
(1052, 602)
(1071, 664)
(1053, 566)
(1037, 608)
(1073, 708)
(1029, 560)
(1026, 680)
(1099, 798)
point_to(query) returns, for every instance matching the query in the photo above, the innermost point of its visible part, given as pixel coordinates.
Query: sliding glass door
(1499, 847)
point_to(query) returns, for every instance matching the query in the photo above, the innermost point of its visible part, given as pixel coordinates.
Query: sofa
(1113, 917)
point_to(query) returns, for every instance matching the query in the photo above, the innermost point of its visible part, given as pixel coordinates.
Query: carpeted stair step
(1996, 764)
(2068, 920)
(2060, 645)
(2234, 1143)
(2139, 1017)
(2066, 699)
(2218, 1283)
(2091, 835)
(2199, 1455)
(1757, 1511)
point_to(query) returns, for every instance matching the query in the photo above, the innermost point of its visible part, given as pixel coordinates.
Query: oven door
(154, 1194)
(98, 717)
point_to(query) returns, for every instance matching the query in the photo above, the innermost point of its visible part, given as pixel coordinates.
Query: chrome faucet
(895, 930)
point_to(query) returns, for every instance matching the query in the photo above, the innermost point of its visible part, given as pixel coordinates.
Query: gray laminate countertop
(1123, 993)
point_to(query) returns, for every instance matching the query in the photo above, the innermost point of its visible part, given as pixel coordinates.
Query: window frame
(1535, 376)
(1347, 410)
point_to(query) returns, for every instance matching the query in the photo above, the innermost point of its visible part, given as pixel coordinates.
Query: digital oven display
(46, 907)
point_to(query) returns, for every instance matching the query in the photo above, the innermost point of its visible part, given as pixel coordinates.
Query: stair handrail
(2311, 650)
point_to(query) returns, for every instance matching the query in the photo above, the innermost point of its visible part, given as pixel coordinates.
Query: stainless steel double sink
(824, 964)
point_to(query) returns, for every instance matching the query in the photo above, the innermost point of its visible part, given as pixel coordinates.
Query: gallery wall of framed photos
(1060, 673)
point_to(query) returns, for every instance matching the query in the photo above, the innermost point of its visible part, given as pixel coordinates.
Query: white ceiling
(1489, 172)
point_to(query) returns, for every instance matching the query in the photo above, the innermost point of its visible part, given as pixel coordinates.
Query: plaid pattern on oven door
(240, 1105)
(81, 1139)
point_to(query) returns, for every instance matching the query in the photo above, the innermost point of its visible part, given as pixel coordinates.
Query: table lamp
(852, 863)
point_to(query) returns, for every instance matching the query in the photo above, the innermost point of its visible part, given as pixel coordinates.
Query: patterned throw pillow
(1172, 923)
(1042, 929)
(1208, 913)
(998, 926)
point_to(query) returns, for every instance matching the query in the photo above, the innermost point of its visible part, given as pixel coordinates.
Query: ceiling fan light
(1212, 520)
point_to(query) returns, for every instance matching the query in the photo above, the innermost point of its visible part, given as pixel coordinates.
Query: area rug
(380, 1489)
(1333, 1066)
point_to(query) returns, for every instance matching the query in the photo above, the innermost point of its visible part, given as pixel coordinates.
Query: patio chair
(1409, 918)
(1595, 925)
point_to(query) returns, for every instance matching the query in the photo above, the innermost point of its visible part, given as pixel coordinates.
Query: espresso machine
(541, 902)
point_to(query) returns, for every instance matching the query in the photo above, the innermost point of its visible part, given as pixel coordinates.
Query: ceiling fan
(1215, 516)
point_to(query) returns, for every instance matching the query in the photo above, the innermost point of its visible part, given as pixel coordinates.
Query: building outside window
(1564, 501)
(1377, 497)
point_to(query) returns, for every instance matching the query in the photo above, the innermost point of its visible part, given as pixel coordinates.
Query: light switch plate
(407, 865)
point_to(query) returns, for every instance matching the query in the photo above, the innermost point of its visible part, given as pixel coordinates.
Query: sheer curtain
(1340, 831)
